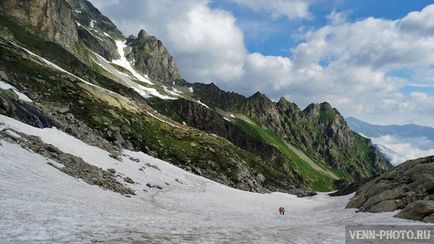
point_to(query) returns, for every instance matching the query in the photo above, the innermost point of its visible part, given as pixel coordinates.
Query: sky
(373, 60)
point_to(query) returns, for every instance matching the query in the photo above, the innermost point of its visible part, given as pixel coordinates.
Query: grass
(319, 180)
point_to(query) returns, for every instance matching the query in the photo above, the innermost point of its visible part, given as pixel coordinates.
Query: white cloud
(400, 149)
(292, 9)
(350, 65)
(210, 42)
(266, 73)
(419, 22)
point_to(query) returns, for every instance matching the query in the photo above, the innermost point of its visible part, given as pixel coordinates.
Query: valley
(103, 139)
(42, 204)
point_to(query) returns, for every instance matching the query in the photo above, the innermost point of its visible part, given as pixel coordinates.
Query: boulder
(409, 187)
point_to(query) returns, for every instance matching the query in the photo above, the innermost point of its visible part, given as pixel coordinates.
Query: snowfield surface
(147, 92)
(123, 62)
(39, 203)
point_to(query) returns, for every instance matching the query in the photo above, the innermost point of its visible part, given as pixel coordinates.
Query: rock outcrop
(151, 57)
(409, 187)
(11, 107)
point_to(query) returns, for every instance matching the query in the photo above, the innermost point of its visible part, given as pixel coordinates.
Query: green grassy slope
(319, 179)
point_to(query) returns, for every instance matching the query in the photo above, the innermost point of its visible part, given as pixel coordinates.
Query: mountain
(371, 130)
(397, 142)
(64, 64)
(319, 131)
(408, 188)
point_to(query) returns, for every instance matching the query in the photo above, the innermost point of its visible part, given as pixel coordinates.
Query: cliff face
(151, 57)
(95, 30)
(53, 18)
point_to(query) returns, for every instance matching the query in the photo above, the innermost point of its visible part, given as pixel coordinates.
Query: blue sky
(276, 36)
(373, 60)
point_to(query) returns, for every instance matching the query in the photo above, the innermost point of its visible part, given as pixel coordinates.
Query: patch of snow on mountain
(102, 66)
(92, 23)
(21, 96)
(90, 32)
(147, 92)
(203, 104)
(172, 91)
(123, 62)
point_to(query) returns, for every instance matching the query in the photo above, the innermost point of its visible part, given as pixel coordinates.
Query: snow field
(40, 203)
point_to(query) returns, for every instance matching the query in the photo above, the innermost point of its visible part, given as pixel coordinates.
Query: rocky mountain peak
(260, 97)
(283, 103)
(289, 108)
(283, 100)
(143, 34)
(312, 110)
(325, 105)
(152, 58)
(322, 111)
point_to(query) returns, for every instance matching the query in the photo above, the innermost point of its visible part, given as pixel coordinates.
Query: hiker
(282, 211)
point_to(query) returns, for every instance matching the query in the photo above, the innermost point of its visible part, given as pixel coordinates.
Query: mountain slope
(115, 92)
(319, 131)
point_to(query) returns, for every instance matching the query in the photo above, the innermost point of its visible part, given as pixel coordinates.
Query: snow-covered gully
(39, 203)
